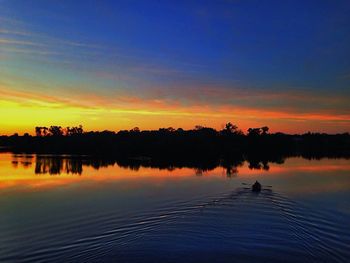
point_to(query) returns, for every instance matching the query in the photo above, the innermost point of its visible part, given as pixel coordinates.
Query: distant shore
(201, 143)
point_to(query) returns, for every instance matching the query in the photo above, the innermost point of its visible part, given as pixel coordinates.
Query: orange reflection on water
(43, 172)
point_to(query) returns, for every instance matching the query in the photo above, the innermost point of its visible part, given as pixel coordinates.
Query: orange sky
(21, 111)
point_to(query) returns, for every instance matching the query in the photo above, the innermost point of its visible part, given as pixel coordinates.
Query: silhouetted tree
(69, 131)
(169, 129)
(44, 131)
(265, 130)
(79, 129)
(135, 129)
(38, 131)
(56, 130)
(198, 127)
(230, 128)
(254, 131)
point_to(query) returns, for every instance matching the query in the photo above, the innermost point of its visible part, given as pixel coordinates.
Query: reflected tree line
(56, 164)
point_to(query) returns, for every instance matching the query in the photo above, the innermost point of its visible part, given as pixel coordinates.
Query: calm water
(68, 209)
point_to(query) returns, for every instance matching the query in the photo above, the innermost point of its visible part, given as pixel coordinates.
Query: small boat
(256, 187)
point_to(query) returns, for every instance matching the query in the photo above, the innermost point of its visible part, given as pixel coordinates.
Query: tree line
(58, 131)
(201, 143)
(78, 130)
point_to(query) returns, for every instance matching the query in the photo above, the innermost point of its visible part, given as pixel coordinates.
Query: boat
(256, 187)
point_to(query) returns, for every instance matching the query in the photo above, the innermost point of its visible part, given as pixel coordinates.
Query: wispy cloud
(14, 32)
(134, 108)
(28, 51)
(20, 42)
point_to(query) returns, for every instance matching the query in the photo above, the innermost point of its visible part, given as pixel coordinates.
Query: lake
(74, 208)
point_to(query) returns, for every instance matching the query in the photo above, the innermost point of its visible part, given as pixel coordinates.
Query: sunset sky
(120, 64)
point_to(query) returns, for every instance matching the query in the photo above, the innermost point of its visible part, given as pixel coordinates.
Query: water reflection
(85, 209)
(29, 172)
(70, 164)
(57, 164)
(24, 160)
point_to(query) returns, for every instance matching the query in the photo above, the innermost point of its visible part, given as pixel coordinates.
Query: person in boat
(256, 187)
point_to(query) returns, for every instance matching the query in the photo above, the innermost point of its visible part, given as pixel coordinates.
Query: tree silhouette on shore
(202, 143)
(58, 131)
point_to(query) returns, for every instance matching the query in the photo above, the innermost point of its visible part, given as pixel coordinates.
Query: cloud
(14, 32)
(286, 100)
(19, 42)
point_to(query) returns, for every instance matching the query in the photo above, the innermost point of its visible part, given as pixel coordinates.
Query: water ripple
(236, 224)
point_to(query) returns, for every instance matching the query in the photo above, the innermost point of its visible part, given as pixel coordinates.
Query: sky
(120, 64)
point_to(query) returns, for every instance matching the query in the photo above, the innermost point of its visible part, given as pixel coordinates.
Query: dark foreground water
(58, 209)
